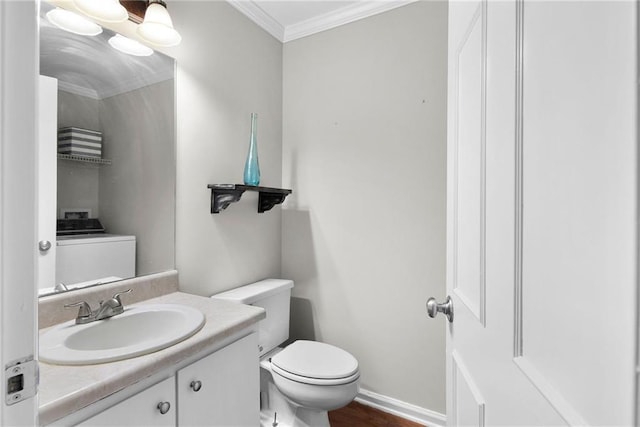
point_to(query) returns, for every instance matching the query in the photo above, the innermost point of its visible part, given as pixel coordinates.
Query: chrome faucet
(109, 308)
(60, 287)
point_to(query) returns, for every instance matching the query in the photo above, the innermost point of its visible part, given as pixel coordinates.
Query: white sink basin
(141, 329)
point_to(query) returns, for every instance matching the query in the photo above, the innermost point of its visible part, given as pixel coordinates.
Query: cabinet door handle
(196, 385)
(164, 407)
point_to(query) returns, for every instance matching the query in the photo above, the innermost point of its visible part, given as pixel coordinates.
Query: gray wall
(135, 194)
(137, 191)
(364, 234)
(227, 68)
(358, 131)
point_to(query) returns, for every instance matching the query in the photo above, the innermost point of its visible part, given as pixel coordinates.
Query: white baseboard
(401, 409)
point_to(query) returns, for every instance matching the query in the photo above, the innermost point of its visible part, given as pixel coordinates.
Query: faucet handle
(84, 311)
(117, 296)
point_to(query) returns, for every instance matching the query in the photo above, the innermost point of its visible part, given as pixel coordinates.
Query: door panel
(541, 253)
(579, 185)
(469, 188)
(469, 406)
(47, 182)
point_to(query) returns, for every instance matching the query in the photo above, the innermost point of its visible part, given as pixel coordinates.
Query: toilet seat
(313, 381)
(312, 362)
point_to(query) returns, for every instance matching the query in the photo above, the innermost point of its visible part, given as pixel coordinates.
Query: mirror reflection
(115, 166)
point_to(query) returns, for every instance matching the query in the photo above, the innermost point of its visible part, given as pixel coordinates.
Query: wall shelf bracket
(222, 195)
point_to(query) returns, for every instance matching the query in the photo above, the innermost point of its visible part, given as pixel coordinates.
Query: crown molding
(78, 90)
(121, 87)
(135, 83)
(254, 12)
(342, 16)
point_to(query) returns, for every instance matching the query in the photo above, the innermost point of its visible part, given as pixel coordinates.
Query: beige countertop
(66, 389)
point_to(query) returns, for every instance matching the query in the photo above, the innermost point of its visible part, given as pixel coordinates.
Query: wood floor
(358, 415)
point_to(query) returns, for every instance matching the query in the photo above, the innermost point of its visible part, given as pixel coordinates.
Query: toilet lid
(313, 359)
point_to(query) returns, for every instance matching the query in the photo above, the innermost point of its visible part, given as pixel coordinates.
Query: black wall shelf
(222, 195)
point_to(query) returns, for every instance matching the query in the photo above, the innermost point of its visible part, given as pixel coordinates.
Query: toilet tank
(274, 296)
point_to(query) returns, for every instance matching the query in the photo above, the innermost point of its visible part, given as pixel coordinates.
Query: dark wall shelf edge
(222, 195)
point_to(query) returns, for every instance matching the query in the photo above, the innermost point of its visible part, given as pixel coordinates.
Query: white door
(18, 241)
(47, 182)
(542, 210)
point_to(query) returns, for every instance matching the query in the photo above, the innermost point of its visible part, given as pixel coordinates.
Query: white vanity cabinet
(142, 409)
(220, 389)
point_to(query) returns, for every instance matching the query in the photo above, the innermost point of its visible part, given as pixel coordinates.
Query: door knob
(446, 308)
(44, 245)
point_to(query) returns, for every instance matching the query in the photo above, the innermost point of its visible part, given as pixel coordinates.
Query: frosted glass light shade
(103, 10)
(157, 27)
(72, 22)
(129, 46)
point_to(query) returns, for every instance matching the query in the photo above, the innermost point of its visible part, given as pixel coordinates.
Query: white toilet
(301, 382)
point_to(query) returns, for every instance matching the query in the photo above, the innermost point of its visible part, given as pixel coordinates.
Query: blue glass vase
(252, 167)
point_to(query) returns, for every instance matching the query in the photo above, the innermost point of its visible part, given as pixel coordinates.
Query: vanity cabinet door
(222, 389)
(154, 406)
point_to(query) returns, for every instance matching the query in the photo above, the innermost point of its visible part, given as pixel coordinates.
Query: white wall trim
(120, 88)
(339, 17)
(254, 12)
(317, 24)
(401, 409)
(78, 90)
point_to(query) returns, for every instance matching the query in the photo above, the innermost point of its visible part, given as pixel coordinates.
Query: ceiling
(64, 55)
(90, 67)
(294, 19)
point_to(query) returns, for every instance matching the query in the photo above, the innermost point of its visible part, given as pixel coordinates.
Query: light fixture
(103, 10)
(157, 27)
(129, 46)
(72, 22)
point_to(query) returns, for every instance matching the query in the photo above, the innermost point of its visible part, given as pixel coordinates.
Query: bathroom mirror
(126, 180)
